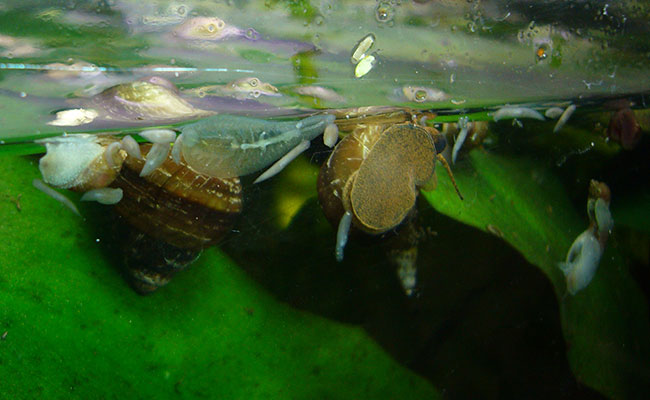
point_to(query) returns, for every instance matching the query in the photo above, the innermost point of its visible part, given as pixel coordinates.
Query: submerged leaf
(606, 325)
(72, 321)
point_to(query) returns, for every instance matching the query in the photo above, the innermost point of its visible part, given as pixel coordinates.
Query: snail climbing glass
(536, 281)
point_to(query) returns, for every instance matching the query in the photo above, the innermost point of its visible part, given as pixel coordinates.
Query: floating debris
(74, 117)
(406, 262)
(364, 66)
(362, 47)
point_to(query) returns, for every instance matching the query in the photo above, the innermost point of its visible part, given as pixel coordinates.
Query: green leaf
(74, 329)
(606, 325)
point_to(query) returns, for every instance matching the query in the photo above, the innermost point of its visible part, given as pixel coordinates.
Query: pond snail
(176, 204)
(371, 179)
(172, 214)
(587, 249)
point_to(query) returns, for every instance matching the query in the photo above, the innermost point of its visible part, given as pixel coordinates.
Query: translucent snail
(226, 146)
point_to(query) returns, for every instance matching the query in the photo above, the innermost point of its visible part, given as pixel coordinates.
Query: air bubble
(384, 12)
(420, 95)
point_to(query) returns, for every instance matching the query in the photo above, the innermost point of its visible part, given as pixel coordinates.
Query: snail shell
(374, 173)
(153, 99)
(174, 213)
(80, 162)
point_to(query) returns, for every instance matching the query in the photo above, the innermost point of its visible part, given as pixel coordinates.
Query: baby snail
(587, 249)
(371, 179)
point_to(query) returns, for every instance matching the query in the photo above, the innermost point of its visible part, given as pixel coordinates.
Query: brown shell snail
(167, 215)
(173, 214)
(371, 179)
(180, 203)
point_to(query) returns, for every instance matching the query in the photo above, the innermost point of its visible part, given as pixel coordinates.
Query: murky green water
(463, 299)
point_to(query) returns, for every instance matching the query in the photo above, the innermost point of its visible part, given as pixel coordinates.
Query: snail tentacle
(177, 149)
(40, 185)
(110, 154)
(283, 162)
(159, 135)
(463, 124)
(564, 118)
(106, 196)
(155, 158)
(131, 147)
(342, 235)
(451, 174)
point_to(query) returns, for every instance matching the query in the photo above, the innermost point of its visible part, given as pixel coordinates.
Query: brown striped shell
(173, 213)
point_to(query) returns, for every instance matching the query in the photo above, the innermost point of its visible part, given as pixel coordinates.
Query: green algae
(606, 325)
(76, 330)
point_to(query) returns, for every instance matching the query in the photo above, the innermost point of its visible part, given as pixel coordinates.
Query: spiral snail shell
(172, 213)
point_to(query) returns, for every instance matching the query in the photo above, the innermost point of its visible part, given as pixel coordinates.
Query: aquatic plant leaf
(606, 325)
(633, 211)
(71, 321)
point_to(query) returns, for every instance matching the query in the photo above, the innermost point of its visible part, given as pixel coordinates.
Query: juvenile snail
(371, 179)
(586, 250)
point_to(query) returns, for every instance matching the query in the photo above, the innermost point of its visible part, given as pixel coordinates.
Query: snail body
(227, 146)
(587, 249)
